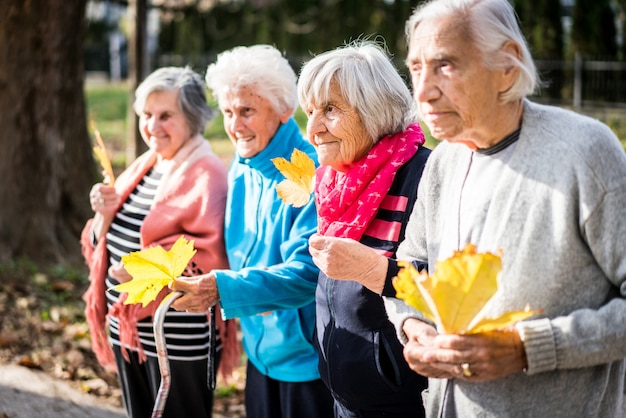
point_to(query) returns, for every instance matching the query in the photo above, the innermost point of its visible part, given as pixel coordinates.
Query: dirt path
(26, 393)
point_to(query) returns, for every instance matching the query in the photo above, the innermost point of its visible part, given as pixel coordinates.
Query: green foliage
(593, 29)
(107, 105)
(298, 27)
(107, 102)
(541, 24)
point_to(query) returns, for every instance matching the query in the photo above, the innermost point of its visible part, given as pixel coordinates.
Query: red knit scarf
(347, 202)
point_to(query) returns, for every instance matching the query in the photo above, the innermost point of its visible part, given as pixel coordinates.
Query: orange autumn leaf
(299, 181)
(100, 152)
(153, 269)
(455, 296)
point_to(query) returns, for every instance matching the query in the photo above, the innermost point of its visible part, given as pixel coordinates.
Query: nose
(152, 123)
(233, 123)
(315, 124)
(425, 86)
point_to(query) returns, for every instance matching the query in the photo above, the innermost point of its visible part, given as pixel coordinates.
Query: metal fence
(576, 83)
(581, 82)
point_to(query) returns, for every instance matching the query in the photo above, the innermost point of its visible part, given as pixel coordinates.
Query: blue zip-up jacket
(272, 281)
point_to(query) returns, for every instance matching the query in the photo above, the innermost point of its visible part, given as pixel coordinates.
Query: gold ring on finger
(466, 370)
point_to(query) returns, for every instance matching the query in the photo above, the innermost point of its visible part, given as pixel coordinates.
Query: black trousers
(189, 395)
(270, 398)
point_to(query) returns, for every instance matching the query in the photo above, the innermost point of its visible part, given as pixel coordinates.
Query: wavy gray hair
(191, 94)
(369, 82)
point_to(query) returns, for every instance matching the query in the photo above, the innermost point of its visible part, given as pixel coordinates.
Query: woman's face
(249, 120)
(162, 124)
(337, 132)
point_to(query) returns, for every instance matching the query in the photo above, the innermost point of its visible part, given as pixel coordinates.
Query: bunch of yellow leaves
(100, 152)
(456, 295)
(299, 181)
(153, 269)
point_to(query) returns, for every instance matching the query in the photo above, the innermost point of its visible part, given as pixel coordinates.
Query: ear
(510, 72)
(286, 115)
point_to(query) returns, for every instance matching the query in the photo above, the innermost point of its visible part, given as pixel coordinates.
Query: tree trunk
(46, 162)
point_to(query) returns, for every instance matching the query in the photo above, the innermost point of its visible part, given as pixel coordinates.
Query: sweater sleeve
(286, 285)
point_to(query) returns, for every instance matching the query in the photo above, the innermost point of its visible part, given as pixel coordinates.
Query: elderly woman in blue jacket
(271, 282)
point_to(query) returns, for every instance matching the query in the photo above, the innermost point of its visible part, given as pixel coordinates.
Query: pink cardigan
(191, 200)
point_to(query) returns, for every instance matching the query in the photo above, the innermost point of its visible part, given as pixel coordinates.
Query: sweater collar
(281, 145)
(505, 143)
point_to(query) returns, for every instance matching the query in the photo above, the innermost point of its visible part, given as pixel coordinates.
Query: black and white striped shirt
(187, 335)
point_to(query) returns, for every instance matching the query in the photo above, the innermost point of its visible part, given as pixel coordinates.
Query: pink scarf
(347, 202)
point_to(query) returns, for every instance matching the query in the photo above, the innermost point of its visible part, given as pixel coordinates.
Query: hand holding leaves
(455, 296)
(153, 269)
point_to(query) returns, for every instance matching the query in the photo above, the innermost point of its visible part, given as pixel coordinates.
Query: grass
(107, 106)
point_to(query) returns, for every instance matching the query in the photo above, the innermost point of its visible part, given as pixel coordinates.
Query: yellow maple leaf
(100, 152)
(407, 290)
(154, 268)
(455, 296)
(299, 181)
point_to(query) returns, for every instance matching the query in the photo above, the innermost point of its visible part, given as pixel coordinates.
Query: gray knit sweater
(555, 203)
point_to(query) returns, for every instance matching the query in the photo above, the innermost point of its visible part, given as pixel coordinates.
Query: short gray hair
(191, 94)
(369, 82)
(260, 67)
(490, 23)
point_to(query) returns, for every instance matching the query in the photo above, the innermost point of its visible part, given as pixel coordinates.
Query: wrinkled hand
(199, 293)
(347, 259)
(104, 199)
(490, 355)
(119, 273)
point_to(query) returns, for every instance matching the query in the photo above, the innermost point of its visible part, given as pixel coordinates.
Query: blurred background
(67, 68)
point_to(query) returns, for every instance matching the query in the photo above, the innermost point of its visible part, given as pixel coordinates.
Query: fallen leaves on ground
(42, 326)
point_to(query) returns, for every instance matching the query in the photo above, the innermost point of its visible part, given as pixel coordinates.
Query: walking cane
(161, 347)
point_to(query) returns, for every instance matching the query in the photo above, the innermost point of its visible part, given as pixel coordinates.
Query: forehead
(439, 38)
(244, 96)
(162, 99)
(323, 95)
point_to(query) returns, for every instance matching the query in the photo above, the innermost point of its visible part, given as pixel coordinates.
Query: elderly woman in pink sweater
(178, 187)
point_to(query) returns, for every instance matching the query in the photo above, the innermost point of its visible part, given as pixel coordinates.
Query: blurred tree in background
(46, 165)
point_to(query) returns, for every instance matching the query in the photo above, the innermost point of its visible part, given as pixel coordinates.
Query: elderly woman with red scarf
(361, 121)
(177, 187)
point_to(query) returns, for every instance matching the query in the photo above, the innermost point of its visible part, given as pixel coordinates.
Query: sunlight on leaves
(455, 297)
(299, 181)
(153, 269)
(100, 152)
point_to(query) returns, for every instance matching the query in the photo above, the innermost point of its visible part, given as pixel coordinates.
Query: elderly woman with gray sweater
(547, 187)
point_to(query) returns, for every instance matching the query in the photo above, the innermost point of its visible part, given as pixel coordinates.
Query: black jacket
(361, 358)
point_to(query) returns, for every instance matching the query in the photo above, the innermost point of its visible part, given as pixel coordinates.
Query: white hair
(368, 81)
(490, 23)
(260, 67)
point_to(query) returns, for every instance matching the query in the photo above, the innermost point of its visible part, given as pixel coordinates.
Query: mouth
(245, 138)
(434, 114)
(319, 142)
